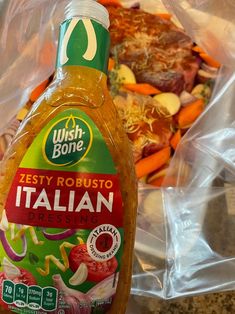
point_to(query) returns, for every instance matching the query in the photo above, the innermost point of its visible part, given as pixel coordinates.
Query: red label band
(59, 199)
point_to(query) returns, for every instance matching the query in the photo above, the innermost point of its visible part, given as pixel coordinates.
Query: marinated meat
(158, 52)
(147, 125)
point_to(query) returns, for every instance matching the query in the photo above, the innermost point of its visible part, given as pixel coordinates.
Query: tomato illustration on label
(97, 271)
(24, 277)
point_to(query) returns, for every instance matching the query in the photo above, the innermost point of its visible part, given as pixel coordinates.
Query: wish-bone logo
(67, 141)
(91, 40)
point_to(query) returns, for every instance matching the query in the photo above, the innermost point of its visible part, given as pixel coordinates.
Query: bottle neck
(83, 42)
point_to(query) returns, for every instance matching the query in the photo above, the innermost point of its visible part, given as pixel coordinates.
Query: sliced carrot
(198, 49)
(152, 162)
(175, 139)
(165, 181)
(189, 114)
(38, 90)
(171, 181)
(111, 64)
(157, 174)
(115, 3)
(142, 88)
(166, 16)
(209, 60)
(158, 181)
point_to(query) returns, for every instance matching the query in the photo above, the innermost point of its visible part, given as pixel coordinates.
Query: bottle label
(83, 42)
(62, 228)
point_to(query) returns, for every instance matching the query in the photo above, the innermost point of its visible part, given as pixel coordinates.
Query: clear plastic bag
(198, 219)
(28, 31)
(210, 23)
(184, 239)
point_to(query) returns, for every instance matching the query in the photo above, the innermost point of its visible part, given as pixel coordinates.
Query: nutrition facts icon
(20, 296)
(32, 297)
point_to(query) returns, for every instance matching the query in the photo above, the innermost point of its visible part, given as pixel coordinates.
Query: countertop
(218, 303)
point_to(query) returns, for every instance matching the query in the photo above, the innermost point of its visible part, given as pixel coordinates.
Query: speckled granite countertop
(219, 303)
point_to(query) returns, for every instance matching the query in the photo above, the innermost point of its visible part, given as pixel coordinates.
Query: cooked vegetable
(111, 64)
(204, 76)
(36, 93)
(115, 3)
(158, 181)
(198, 49)
(59, 236)
(152, 162)
(189, 114)
(156, 175)
(165, 15)
(153, 207)
(175, 139)
(169, 101)
(186, 98)
(209, 68)
(10, 251)
(125, 75)
(168, 181)
(202, 91)
(142, 88)
(148, 126)
(209, 60)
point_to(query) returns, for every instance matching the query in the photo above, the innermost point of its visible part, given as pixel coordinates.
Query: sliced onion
(10, 251)
(59, 236)
(206, 75)
(186, 98)
(135, 5)
(209, 68)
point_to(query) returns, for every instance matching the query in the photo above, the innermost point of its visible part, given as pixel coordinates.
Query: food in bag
(160, 82)
(169, 87)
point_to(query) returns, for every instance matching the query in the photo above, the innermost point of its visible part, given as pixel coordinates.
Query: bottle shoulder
(84, 89)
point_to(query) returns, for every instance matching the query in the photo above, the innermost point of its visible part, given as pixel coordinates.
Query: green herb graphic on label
(33, 259)
(67, 141)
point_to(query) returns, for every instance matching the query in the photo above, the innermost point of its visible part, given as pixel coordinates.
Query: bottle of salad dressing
(68, 188)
